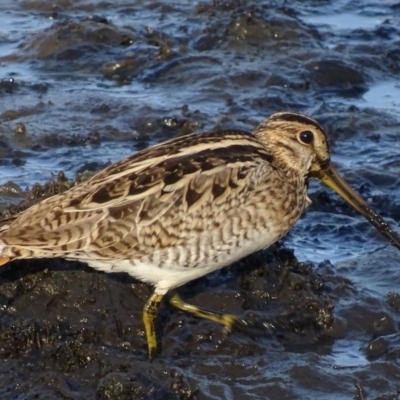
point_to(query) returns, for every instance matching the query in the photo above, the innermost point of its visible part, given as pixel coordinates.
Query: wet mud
(87, 83)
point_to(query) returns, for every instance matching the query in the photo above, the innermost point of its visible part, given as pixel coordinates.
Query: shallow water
(90, 90)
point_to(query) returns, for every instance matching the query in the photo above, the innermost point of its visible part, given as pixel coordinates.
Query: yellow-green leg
(149, 319)
(227, 320)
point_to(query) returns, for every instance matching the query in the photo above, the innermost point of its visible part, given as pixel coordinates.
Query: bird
(181, 209)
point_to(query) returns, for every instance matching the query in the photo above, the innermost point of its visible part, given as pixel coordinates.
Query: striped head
(298, 142)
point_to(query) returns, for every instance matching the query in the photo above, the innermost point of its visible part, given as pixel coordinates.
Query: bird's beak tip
(331, 178)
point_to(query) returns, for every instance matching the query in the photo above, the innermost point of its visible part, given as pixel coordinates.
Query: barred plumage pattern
(162, 198)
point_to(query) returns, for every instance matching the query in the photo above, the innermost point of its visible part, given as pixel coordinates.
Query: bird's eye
(306, 137)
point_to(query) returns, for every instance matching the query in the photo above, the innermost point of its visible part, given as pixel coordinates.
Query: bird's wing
(131, 205)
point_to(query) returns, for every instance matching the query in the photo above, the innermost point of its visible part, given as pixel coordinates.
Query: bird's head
(299, 143)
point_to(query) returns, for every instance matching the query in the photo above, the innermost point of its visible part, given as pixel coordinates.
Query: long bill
(332, 179)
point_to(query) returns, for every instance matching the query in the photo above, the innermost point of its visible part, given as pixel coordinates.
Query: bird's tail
(3, 258)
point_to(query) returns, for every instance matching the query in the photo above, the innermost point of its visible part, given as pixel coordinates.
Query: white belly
(173, 267)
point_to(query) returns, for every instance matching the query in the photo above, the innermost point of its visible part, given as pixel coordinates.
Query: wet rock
(337, 75)
(7, 85)
(66, 39)
(394, 301)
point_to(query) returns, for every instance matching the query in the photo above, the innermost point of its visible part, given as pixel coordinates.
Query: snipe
(183, 208)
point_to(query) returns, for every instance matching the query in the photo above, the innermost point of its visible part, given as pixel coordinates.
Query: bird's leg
(149, 318)
(227, 320)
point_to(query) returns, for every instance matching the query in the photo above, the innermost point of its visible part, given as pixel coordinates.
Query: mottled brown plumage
(183, 208)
